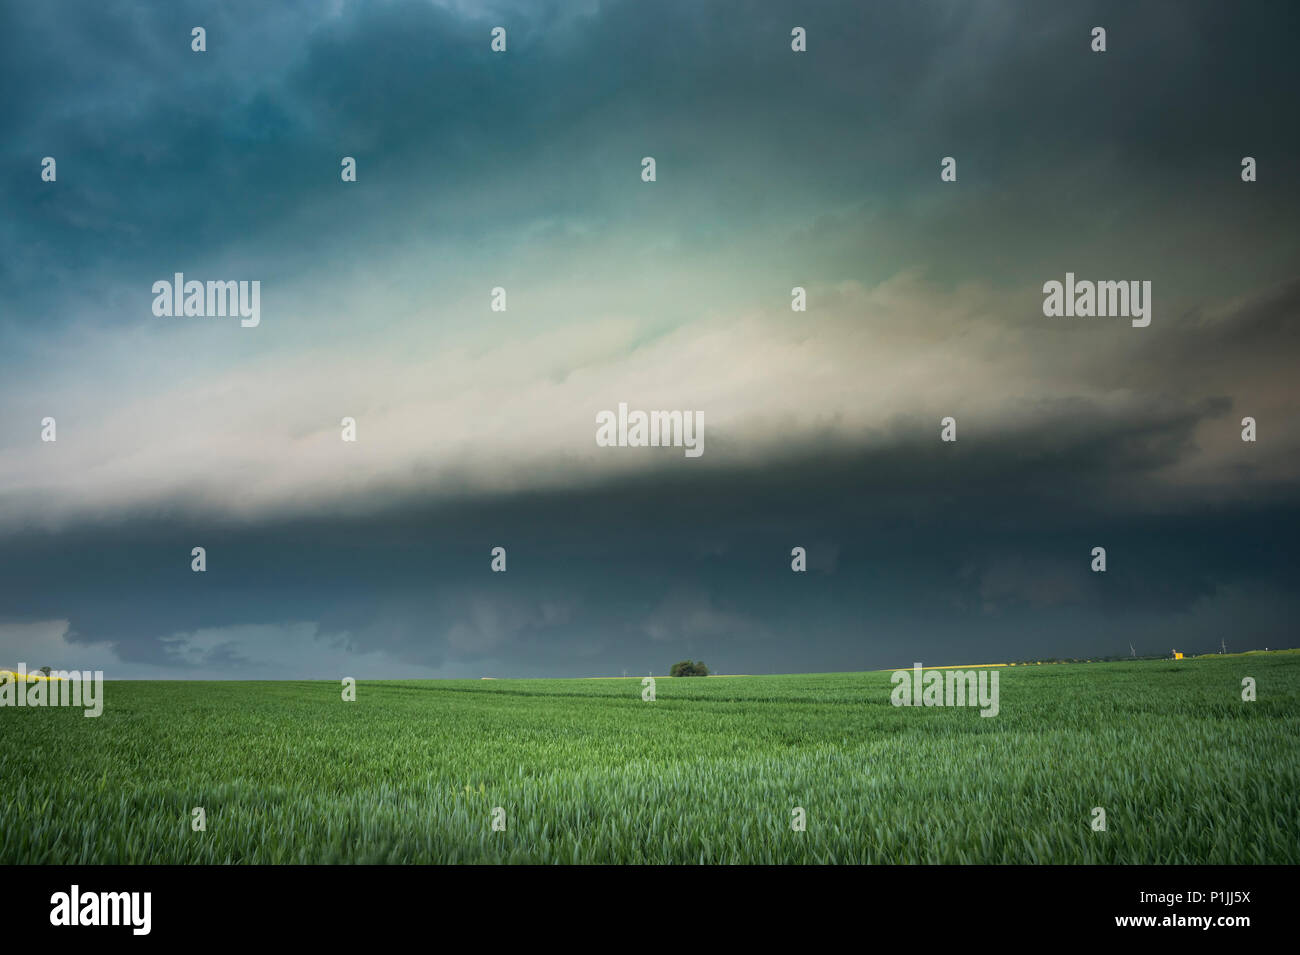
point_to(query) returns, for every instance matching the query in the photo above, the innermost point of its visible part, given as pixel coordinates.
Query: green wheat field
(709, 772)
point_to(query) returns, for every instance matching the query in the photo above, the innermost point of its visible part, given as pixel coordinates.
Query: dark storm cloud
(168, 157)
(990, 565)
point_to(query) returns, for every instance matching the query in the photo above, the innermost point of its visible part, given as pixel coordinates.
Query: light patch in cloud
(298, 650)
(869, 367)
(41, 643)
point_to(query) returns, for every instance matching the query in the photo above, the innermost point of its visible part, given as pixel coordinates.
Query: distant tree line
(1116, 658)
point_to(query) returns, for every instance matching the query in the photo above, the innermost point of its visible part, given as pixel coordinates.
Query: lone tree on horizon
(687, 668)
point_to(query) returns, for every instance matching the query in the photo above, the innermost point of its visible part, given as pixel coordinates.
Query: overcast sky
(477, 428)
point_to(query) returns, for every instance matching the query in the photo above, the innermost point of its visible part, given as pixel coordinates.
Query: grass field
(709, 772)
